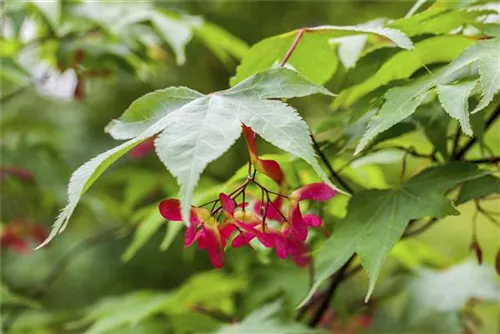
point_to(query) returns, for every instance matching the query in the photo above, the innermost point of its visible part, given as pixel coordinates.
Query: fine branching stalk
(489, 122)
(335, 281)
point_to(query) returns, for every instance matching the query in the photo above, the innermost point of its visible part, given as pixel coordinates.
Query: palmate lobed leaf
(376, 219)
(479, 188)
(401, 102)
(194, 129)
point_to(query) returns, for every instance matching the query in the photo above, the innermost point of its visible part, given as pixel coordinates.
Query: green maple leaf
(376, 219)
(314, 55)
(401, 102)
(438, 20)
(194, 129)
(424, 53)
(479, 188)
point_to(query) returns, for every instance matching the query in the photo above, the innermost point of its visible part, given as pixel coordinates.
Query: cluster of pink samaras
(232, 220)
(22, 236)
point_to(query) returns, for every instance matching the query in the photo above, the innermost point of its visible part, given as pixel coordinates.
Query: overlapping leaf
(401, 102)
(423, 54)
(314, 56)
(266, 320)
(479, 188)
(376, 219)
(128, 310)
(195, 129)
(438, 20)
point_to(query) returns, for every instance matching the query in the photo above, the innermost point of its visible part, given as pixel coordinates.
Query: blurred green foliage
(121, 268)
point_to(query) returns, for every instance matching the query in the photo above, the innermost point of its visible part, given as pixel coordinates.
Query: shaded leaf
(415, 254)
(376, 219)
(9, 298)
(147, 227)
(438, 21)
(125, 311)
(170, 234)
(266, 320)
(478, 188)
(433, 119)
(223, 44)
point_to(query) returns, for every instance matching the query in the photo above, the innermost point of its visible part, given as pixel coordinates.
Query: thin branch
(335, 282)
(456, 140)
(489, 122)
(420, 229)
(216, 314)
(7, 97)
(293, 46)
(490, 160)
(333, 174)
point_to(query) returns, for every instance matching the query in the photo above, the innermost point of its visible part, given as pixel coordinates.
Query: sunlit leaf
(401, 102)
(314, 56)
(423, 54)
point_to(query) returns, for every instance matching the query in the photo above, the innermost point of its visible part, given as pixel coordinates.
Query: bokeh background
(45, 137)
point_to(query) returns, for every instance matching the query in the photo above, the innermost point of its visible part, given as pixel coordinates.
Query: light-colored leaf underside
(194, 129)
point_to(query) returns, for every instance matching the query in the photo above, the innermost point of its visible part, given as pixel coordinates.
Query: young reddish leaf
(497, 262)
(476, 248)
(267, 167)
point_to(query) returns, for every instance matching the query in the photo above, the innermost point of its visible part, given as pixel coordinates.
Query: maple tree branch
(456, 140)
(293, 46)
(333, 174)
(489, 160)
(330, 292)
(489, 122)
